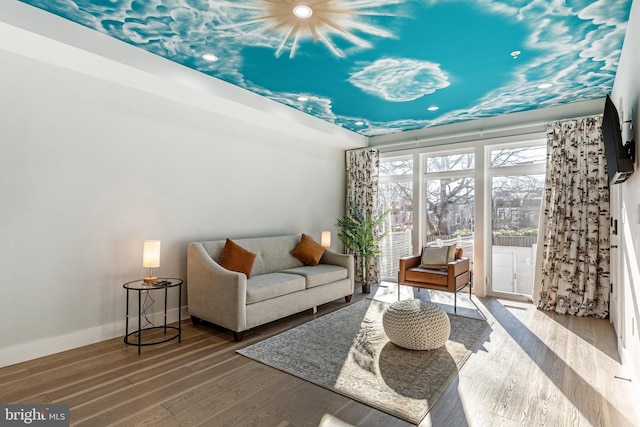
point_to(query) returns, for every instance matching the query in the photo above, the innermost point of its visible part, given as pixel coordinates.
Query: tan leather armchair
(454, 278)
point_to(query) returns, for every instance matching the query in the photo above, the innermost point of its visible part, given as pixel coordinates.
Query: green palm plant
(360, 234)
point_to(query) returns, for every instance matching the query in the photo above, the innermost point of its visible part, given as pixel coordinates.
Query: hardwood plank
(241, 401)
(82, 374)
(9, 374)
(92, 394)
(140, 396)
(534, 368)
(154, 416)
(224, 392)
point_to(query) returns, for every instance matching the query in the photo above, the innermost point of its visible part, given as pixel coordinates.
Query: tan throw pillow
(236, 258)
(437, 257)
(308, 250)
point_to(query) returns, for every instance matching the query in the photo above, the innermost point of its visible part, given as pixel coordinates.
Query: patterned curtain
(362, 195)
(572, 274)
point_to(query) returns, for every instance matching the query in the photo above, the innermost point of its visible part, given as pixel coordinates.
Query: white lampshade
(325, 240)
(151, 254)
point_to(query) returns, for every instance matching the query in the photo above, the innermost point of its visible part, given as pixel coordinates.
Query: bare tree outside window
(449, 201)
(504, 157)
(448, 207)
(452, 162)
(396, 167)
(395, 192)
(516, 200)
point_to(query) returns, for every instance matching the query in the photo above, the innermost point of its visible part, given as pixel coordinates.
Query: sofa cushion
(437, 257)
(425, 275)
(272, 253)
(236, 258)
(271, 285)
(320, 274)
(308, 250)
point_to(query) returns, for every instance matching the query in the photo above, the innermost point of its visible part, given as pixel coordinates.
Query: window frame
(478, 143)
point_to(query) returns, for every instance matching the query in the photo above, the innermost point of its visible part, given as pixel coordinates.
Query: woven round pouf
(416, 324)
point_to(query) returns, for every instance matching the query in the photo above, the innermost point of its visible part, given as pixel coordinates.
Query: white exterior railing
(395, 245)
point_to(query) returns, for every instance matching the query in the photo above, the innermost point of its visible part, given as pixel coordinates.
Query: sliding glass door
(436, 197)
(395, 192)
(516, 196)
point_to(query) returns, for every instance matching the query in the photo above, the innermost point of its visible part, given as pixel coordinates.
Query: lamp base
(150, 279)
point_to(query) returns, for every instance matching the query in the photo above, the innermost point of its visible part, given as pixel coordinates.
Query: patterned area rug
(348, 352)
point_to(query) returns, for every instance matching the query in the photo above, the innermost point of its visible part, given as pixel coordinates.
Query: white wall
(90, 168)
(626, 96)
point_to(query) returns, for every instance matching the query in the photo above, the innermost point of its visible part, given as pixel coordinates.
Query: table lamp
(325, 240)
(151, 258)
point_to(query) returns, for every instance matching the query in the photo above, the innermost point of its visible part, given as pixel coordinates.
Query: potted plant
(360, 234)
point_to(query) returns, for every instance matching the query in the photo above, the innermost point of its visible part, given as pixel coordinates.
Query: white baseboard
(47, 346)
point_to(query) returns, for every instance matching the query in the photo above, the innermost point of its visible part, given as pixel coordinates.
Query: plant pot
(366, 289)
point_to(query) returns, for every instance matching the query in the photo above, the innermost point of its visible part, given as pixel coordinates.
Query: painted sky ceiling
(377, 67)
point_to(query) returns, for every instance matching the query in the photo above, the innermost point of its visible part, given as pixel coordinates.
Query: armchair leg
(455, 294)
(455, 301)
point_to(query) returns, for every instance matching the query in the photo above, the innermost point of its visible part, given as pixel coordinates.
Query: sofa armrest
(343, 260)
(214, 293)
(405, 264)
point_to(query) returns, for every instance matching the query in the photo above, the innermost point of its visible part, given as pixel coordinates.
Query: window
(449, 199)
(446, 196)
(503, 157)
(449, 207)
(395, 192)
(451, 162)
(516, 188)
(399, 167)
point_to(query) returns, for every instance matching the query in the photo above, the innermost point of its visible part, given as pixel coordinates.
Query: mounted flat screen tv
(619, 155)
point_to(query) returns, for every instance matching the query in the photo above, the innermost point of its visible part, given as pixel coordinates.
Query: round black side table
(140, 286)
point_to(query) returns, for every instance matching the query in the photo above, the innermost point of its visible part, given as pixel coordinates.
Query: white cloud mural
(381, 62)
(400, 80)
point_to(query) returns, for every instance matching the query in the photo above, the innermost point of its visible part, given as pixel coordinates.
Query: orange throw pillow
(308, 250)
(236, 258)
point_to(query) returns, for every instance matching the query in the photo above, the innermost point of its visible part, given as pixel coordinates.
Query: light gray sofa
(279, 284)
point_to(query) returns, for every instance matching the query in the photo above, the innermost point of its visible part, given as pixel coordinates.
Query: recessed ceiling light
(303, 98)
(210, 57)
(433, 108)
(515, 54)
(545, 86)
(359, 123)
(302, 11)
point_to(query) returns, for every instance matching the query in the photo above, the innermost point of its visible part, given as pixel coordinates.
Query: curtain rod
(482, 134)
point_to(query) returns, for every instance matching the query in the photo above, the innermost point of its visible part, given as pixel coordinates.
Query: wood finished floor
(534, 368)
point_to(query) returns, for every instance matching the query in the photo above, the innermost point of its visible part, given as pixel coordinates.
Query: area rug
(347, 351)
